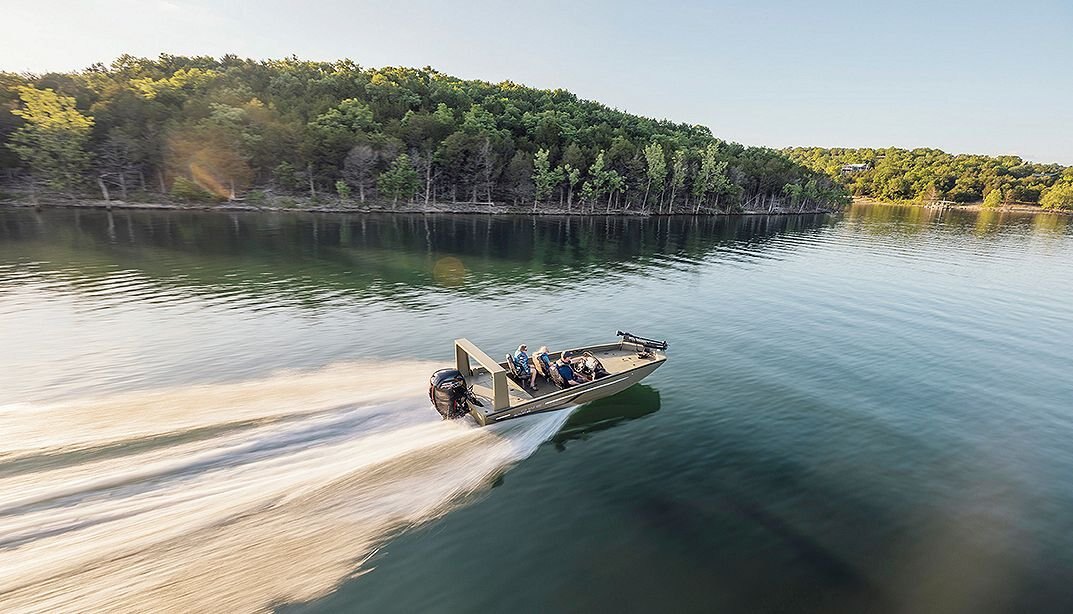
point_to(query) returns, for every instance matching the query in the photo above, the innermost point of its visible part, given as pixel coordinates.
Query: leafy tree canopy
(929, 174)
(229, 123)
(51, 141)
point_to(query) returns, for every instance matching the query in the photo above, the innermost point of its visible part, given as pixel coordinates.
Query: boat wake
(231, 497)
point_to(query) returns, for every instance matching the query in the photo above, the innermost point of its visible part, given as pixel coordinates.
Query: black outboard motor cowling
(448, 393)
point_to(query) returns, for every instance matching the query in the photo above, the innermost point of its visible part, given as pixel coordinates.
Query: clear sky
(964, 76)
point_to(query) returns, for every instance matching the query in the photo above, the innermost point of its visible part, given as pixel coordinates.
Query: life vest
(521, 361)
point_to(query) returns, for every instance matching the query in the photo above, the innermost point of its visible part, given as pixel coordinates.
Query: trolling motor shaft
(643, 341)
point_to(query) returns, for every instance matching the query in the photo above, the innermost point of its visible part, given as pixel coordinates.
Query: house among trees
(855, 168)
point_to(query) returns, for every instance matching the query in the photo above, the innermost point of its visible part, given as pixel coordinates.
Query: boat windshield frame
(464, 350)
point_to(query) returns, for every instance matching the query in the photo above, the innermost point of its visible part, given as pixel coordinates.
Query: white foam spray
(231, 497)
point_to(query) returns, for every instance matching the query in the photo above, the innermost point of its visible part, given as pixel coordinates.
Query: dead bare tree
(358, 167)
(117, 164)
(486, 166)
(423, 162)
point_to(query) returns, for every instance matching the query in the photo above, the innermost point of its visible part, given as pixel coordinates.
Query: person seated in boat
(566, 370)
(542, 361)
(525, 371)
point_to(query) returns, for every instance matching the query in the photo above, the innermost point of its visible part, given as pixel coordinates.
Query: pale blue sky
(981, 77)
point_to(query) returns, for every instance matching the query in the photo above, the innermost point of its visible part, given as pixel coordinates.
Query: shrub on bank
(187, 190)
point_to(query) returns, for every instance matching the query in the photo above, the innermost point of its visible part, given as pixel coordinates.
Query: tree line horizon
(927, 174)
(202, 128)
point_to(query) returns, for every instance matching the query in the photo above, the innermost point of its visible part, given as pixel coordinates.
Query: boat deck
(616, 358)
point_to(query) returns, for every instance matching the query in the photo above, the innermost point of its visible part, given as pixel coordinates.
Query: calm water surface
(864, 412)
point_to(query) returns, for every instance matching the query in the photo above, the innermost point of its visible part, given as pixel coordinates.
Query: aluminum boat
(492, 391)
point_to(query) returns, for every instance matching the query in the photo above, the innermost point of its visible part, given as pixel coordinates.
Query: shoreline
(307, 206)
(402, 208)
(974, 207)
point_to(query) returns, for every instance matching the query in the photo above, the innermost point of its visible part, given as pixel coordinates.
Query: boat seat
(512, 372)
(539, 366)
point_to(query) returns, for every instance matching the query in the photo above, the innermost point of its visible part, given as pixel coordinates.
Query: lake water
(870, 411)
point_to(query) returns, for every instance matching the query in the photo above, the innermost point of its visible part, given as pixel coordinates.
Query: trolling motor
(651, 344)
(449, 394)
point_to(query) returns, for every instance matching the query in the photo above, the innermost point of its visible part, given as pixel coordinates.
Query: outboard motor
(449, 395)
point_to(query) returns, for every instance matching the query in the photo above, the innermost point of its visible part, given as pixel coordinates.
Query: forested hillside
(205, 128)
(929, 174)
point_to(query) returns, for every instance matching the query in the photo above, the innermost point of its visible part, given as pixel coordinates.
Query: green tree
(575, 157)
(795, 192)
(657, 170)
(478, 119)
(335, 132)
(571, 176)
(602, 180)
(519, 177)
(598, 182)
(678, 176)
(1058, 196)
(286, 177)
(616, 182)
(711, 178)
(9, 99)
(545, 178)
(348, 118)
(993, 198)
(399, 181)
(52, 141)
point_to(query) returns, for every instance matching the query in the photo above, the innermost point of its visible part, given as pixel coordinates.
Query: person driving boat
(566, 370)
(590, 366)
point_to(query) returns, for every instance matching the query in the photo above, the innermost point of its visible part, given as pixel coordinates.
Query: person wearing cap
(521, 362)
(566, 371)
